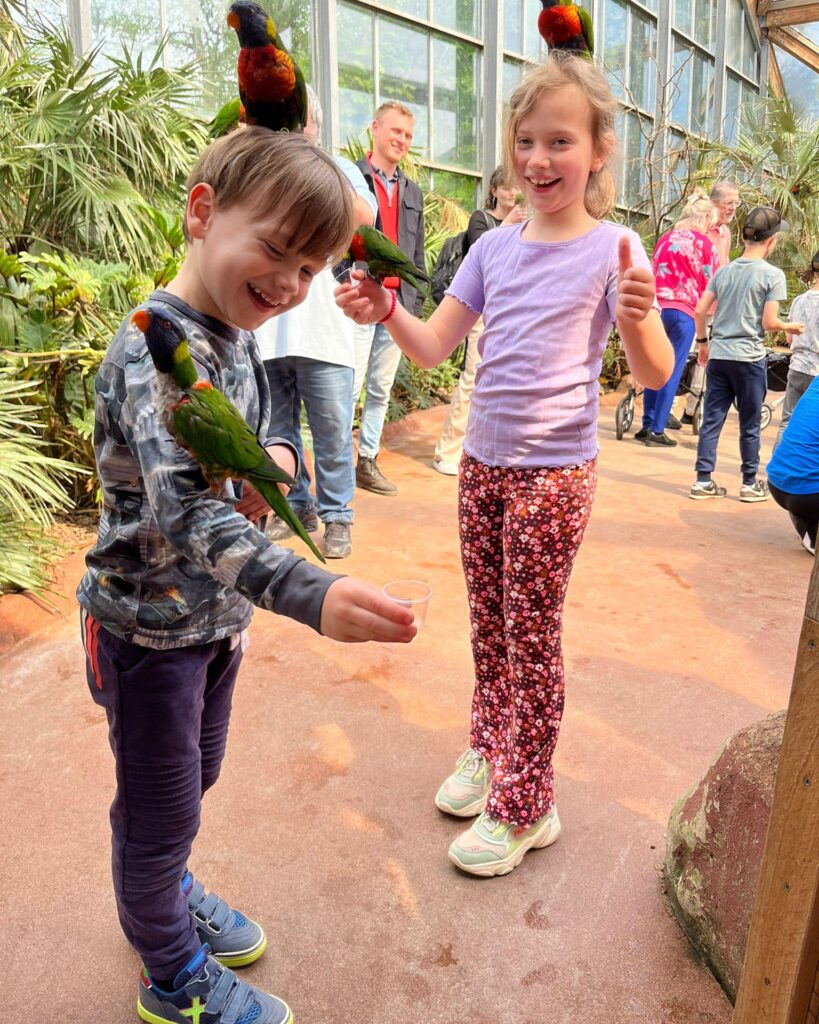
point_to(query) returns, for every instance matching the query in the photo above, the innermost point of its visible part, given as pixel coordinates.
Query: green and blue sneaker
(492, 847)
(464, 793)
(234, 939)
(206, 992)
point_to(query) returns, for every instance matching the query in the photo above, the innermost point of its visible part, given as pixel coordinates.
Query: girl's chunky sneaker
(464, 793)
(234, 939)
(206, 992)
(494, 847)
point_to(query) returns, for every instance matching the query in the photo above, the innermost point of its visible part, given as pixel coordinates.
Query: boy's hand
(252, 505)
(702, 355)
(354, 611)
(363, 299)
(795, 327)
(635, 287)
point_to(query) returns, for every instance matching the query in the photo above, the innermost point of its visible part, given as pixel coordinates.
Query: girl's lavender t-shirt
(547, 309)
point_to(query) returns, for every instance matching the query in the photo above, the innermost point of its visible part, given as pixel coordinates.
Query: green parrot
(226, 119)
(384, 258)
(566, 26)
(209, 426)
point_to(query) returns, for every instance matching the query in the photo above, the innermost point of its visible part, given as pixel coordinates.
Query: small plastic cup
(412, 594)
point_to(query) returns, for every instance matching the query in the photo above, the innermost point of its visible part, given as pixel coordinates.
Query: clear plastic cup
(412, 594)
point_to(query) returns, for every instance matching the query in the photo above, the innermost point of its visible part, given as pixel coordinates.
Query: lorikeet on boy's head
(566, 26)
(271, 85)
(384, 258)
(207, 424)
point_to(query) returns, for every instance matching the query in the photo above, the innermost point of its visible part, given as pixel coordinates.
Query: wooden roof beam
(779, 16)
(775, 75)
(796, 45)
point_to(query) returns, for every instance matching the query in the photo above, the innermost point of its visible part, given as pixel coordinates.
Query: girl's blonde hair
(264, 170)
(559, 70)
(698, 214)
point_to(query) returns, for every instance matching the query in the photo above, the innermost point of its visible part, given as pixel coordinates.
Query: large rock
(716, 837)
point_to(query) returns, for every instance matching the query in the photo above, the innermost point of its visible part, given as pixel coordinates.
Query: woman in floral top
(684, 262)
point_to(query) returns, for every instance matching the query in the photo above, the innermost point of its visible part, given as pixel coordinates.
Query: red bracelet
(392, 308)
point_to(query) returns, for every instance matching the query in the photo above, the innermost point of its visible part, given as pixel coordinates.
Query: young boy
(176, 570)
(748, 292)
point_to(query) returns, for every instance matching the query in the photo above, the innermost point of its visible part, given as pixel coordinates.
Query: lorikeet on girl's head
(566, 26)
(271, 85)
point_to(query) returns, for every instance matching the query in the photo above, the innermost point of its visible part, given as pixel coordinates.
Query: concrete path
(681, 627)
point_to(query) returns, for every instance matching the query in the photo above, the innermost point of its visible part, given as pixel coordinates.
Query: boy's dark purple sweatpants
(168, 714)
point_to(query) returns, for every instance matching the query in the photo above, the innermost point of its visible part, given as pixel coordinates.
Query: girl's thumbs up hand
(635, 286)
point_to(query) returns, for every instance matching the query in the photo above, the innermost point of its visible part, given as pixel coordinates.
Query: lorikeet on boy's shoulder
(271, 85)
(207, 424)
(566, 26)
(384, 258)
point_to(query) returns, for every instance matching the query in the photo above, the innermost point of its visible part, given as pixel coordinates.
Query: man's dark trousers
(727, 380)
(168, 714)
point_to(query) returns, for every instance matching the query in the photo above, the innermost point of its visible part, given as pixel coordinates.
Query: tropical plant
(32, 489)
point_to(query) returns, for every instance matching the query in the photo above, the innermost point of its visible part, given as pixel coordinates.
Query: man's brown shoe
(337, 541)
(369, 477)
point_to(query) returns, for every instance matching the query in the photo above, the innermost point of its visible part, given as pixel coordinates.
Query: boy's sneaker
(672, 423)
(662, 440)
(757, 491)
(234, 939)
(494, 847)
(706, 489)
(464, 793)
(277, 529)
(642, 435)
(206, 992)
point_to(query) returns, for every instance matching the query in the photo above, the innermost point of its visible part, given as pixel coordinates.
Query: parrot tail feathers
(272, 472)
(281, 507)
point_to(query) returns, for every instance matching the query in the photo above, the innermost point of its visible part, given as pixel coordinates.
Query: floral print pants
(520, 530)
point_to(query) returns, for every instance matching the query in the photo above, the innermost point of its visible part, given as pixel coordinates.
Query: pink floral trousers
(520, 531)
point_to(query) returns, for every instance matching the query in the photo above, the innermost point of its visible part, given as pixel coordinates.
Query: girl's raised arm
(425, 343)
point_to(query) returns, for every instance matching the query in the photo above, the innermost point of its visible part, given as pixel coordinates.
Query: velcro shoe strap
(229, 997)
(213, 912)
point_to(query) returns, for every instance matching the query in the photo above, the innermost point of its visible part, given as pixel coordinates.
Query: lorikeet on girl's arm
(207, 424)
(271, 85)
(384, 258)
(566, 26)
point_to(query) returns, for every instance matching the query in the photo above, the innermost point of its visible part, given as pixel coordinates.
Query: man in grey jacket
(401, 218)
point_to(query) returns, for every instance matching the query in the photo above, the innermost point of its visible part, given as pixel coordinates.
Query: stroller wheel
(766, 417)
(696, 419)
(624, 415)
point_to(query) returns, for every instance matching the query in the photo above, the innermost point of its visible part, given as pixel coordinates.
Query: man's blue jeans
(325, 389)
(382, 367)
(726, 380)
(657, 404)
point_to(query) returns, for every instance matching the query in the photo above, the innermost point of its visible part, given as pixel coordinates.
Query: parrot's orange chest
(558, 24)
(358, 249)
(266, 74)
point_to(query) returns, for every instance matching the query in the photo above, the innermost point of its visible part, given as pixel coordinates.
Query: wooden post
(780, 978)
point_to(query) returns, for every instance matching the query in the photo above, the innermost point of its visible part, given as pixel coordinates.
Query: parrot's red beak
(141, 319)
(233, 20)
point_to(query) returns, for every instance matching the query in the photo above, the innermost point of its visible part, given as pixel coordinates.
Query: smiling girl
(548, 291)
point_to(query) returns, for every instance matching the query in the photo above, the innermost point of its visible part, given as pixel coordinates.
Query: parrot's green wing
(213, 430)
(227, 117)
(385, 254)
(297, 104)
(588, 28)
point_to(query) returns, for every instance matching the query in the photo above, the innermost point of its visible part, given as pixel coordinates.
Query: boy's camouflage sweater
(175, 565)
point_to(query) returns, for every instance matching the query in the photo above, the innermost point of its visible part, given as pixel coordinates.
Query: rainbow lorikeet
(566, 26)
(271, 85)
(207, 424)
(226, 119)
(384, 258)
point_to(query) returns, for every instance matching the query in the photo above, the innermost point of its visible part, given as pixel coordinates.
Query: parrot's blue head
(163, 336)
(250, 23)
(546, 4)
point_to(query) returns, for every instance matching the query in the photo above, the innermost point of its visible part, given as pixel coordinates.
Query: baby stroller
(624, 414)
(777, 369)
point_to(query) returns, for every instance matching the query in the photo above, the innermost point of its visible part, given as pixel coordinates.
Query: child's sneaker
(494, 847)
(208, 993)
(757, 491)
(464, 793)
(234, 939)
(706, 489)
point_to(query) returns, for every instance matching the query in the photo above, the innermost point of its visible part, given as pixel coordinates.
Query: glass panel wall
(414, 8)
(460, 15)
(356, 71)
(403, 73)
(455, 73)
(512, 75)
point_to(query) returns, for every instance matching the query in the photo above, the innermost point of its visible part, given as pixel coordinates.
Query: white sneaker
(447, 468)
(806, 544)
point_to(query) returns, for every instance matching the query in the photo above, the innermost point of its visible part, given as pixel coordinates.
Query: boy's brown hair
(266, 170)
(559, 70)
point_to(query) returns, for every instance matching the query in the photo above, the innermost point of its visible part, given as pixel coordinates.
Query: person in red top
(401, 218)
(684, 262)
